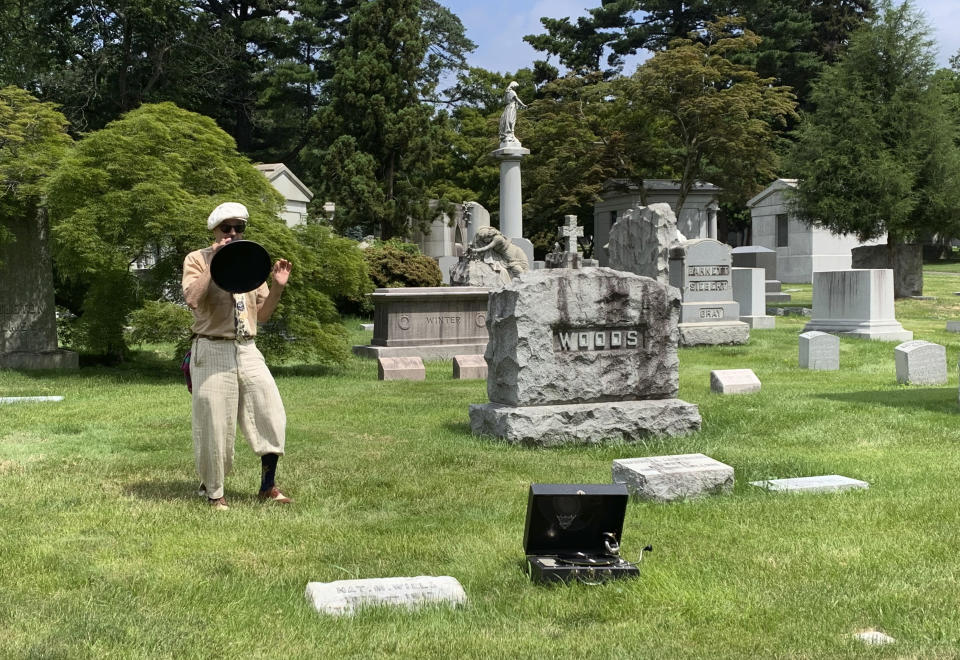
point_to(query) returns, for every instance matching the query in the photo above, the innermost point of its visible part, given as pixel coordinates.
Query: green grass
(107, 552)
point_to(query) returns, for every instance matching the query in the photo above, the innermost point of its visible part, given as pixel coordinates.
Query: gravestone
(709, 315)
(400, 368)
(467, 367)
(641, 239)
(734, 381)
(856, 303)
(830, 483)
(819, 351)
(907, 265)
(921, 363)
(583, 356)
(30, 399)
(757, 256)
(669, 478)
(345, 596)
(28, 322)
(953, 326)
(431, 323)
(748, 292)
(568, 254)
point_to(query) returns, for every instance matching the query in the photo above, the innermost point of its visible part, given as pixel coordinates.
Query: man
(231, 381)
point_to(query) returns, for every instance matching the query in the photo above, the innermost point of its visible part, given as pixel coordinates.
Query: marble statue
(508, 119)
(491, 260)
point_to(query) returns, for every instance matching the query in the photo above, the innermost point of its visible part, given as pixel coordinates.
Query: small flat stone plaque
(400, 368)
(874, 637)
(734, 381)
(345, 596)
(368, 327)
(668, 478)
(29, 399)
(467, 367)
(823, 484)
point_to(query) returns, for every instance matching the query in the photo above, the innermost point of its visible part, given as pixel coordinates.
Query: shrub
(396, 264)
(160, 322)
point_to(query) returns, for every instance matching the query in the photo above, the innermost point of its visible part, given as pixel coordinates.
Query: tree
(714, 118)
(878, 154)
(33, 140)
(145, 185)
(376, 137)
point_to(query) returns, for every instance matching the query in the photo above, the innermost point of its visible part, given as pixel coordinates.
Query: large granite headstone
(907, 265)
(669, 478)
(583, 356)
(641, 239)
(431, 323)
(856, 303)
(709, 315)
(28, 322)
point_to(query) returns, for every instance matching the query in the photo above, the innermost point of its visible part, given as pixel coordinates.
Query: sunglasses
(226, 229)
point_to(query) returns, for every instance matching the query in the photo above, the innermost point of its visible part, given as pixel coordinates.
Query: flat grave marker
(676, 477)
(734, 381)
(830, 483)
(345, 596)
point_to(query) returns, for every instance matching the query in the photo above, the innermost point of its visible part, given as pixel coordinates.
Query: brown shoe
(274, 495)
(219, 504)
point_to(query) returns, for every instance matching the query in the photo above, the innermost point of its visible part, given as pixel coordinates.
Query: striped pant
(231, 384)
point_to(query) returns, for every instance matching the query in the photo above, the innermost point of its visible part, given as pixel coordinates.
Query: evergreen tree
(878, 153)
(377, 138)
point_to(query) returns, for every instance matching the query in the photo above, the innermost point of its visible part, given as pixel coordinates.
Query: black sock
(268, 471)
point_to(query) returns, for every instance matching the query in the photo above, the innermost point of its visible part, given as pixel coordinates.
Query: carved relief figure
(499, 248)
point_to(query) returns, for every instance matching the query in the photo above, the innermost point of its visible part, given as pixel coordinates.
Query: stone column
(511, 199)
(712, 209)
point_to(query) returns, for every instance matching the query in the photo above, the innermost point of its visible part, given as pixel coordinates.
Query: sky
(498, 27)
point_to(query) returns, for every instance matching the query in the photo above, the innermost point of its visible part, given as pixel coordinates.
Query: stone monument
(856, 303)
(709, 315)
(819, 351)
(568, 255)
(920, 362)
(28, 322)
(509, 154)
(491, 261)
(641, 239)
(583, 356)
(749, 293)
(757, 256)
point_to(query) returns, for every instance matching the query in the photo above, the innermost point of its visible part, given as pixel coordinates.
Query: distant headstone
(921, 363)
(345, 596)
(28, 322)
(856, 303)
(734, 381)
(757, 256)
(953, 326)
(823, 484)
(669, 478)
(30, 399)
(748, 292)
(583, 356)
(400, 368)
(641, 239)
(367, 327)
(874, 638)
(469, 367)
(907, 265)
(709, 315)
(567, 255)
(819, 351)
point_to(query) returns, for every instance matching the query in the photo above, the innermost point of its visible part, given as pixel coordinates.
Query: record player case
(573, 532)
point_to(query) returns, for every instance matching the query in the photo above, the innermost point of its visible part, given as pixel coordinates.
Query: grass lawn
(107, 551)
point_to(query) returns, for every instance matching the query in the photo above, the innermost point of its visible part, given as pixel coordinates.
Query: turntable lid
(571, 518)
(240, 266)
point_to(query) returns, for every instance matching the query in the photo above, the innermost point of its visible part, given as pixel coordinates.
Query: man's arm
(196, 280)
(281, 274)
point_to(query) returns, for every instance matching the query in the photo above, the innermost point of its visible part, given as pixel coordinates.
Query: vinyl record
(240, 266)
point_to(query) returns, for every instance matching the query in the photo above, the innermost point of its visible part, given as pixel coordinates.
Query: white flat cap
(226, 211)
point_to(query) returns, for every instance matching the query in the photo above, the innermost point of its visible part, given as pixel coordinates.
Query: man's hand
(281, 272)
(223, 241)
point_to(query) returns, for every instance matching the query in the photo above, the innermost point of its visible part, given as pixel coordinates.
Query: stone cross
(571, 232)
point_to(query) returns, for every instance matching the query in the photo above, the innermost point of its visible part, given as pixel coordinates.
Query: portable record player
(573, 532)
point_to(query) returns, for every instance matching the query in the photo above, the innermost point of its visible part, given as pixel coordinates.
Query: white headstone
(921, 363)
(953, 326)
(734, 381)
(856, 303)
(819, 351)
(29, 399)
(874, 637)
(823, 484)
(668, 478)
(344, 596)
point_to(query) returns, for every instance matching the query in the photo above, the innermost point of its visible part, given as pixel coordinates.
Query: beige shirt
(214, 315)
